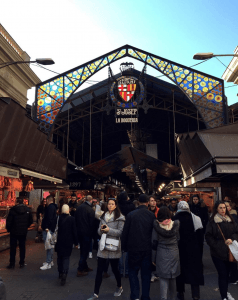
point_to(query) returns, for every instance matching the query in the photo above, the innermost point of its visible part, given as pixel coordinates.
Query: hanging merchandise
(1, 182)
(11, 198)
(29, 187)
(7, 182)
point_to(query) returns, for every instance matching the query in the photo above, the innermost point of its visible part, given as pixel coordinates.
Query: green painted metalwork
(205, 91)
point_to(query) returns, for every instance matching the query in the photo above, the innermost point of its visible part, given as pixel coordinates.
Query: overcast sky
(73, 32)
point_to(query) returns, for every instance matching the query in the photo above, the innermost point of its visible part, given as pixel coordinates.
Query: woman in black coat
(67, 236)
(222, 219)
(191, 238)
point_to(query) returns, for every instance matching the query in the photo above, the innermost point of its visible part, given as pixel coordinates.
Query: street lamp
(41, 61)
(202, 56)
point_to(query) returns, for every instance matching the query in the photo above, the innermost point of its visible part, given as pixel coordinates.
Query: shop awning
(39, 175)
(126, 157)
(208, 153)
(24, 145)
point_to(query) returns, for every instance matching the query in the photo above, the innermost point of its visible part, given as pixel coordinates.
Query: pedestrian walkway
(32, 283)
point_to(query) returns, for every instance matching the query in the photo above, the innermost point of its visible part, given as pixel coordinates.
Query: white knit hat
(65, 209)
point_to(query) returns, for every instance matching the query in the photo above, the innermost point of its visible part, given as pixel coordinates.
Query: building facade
(15, 80)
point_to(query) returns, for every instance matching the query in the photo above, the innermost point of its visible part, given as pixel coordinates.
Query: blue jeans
(85, 242)
(139, 261)
(49, 252)
(123, 262)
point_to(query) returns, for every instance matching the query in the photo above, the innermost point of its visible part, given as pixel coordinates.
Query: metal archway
(206, 92)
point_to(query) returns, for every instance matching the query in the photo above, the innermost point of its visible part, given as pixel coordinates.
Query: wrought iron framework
(206, 92)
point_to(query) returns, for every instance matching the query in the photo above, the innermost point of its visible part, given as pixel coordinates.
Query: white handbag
(111, 244)
(234, 249)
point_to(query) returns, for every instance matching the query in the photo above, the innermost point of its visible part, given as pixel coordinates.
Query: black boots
(11, 266)
(63, 278)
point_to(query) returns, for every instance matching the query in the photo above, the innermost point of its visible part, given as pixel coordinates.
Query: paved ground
(32, 283)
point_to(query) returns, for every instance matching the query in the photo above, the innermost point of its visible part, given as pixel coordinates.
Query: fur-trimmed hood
(219, 220)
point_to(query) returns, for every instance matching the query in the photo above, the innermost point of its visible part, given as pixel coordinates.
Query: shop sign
(82, 185)
(128, 115)
(6, 172)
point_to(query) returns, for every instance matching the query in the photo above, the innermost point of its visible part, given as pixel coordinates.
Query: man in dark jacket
(136, 240)
(49, 224)
(73, 204)
(173, 206)
(199, 208)
(84, 218)
(18, 221)
(126, 206)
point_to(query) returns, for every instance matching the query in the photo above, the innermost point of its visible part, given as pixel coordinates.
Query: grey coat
(115, 231)
(165, 251)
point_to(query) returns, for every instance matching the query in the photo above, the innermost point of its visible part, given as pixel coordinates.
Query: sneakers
(93, 297)
(118, 292)
(46, 267)
(234, 282)
(230, 297)
(90, 255)
(52, 263)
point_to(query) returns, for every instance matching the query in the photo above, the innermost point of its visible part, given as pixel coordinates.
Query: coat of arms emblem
(126, 88)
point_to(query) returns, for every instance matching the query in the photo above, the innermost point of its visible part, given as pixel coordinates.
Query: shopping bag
(234, 249)
(47, 241)
(54, 235)
(102, 242)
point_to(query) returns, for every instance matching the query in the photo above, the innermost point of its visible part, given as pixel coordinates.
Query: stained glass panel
(205, 91)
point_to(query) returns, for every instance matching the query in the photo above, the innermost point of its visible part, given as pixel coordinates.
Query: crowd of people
(161, 240)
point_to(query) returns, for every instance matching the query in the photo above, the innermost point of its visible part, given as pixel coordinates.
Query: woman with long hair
(111, 224)
(165, 252)
(221, 224)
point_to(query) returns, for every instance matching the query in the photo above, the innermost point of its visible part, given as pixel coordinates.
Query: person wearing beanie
(67, 236)
(137, 241)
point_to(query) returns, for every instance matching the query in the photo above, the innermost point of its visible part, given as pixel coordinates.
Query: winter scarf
(109, 216)
(184, 207)
(166, 224)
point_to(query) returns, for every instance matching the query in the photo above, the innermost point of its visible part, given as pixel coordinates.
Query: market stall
(11, 186)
